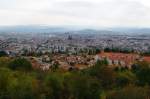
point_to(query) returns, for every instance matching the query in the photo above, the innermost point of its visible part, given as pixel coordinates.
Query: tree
(83, 87)
(125, 78)
(97, 51)
(5, 74)
(3, 53)
(143, 73)
(54, 86)
(129, 92)
(143, 76)
(55, 66)
(103, 73)
(20, 64)
(4, 61)
(16, 85)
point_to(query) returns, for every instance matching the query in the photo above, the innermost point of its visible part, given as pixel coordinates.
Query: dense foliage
(20, 63)
(3, 53)
(118, 50)
(19, 81)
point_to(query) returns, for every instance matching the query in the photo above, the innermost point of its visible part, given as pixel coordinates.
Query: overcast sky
(96, 13)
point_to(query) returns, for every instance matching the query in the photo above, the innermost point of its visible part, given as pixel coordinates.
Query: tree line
(18, 80)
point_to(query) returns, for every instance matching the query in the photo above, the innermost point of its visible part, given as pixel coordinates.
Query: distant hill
(92, 31)
(132, 31)
(76, 30)
(32, 29)
(49, 29)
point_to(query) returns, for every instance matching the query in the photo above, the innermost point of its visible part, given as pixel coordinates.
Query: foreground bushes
(18, 85)
(20, 64)
(130, 92)
(19, 81)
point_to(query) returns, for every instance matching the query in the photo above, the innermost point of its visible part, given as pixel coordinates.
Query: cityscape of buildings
(75, 50)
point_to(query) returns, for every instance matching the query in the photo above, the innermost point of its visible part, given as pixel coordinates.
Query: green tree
(3, 53)
(20, 64)
(129, 92)
(4, 61)
(103, 73)
(54, 86)
(4, 80)
(55, 66)
(83, 87)
(143, 73)
(125, 78)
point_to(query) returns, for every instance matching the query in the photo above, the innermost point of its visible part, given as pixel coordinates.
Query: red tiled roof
(127, 58)
(146, 58)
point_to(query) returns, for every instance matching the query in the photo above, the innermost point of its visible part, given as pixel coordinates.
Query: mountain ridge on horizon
(61, 29)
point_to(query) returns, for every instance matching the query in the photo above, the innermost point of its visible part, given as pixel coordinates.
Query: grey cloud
(76, 4)
(93, 12)
(117, 8)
